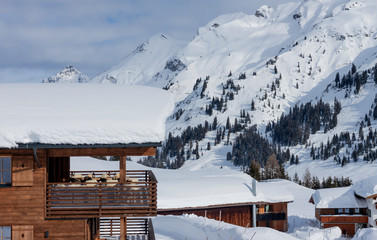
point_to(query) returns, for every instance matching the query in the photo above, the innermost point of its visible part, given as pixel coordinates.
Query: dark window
(5, 171)
(266, 208)
(5, 232)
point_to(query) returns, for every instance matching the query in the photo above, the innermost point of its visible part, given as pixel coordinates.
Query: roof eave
(36, 145)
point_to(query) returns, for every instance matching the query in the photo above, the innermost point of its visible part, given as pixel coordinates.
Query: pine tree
(295, 178)
(307, 179)
(353, 68)
(252, 105)
(254, 170)
(337, 80)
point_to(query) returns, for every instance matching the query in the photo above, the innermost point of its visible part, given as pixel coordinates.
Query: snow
(342, 197)
(201, 188)
(300, 213)
(82, 114)
(193, 227)
(366, 188)
(366, 234)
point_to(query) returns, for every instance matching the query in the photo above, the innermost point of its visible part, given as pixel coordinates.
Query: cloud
(94, 35)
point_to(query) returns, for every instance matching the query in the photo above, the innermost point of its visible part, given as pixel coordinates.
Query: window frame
(2, 170)
(340, 210)
(2, 231)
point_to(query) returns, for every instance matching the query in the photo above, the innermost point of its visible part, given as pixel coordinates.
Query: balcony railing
(100, 194)
(137, 228)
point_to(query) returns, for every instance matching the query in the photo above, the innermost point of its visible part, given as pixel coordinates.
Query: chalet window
(266, 208)
(5, 170)
(340, 210)
(5, 232)
(346, 210)
(357, 210)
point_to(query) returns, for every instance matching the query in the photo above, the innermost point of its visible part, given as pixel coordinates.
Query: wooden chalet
(273, 215)
(340, 207)
(40, 197)
(226, 196)
(367, 189)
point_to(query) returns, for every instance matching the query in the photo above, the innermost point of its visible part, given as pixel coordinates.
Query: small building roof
(202, 189)
(82, 114)
(366, 188)
(342, 197)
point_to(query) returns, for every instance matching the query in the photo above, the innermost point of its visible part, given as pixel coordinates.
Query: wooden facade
(273, 215)
(41, 202)
(349, 220)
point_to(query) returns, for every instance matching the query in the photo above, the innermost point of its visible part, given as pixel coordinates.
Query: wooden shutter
(22, 170)
(24, 232)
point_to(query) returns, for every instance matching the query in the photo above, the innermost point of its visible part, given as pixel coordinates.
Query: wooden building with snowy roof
(340, 207)
(226, 196)
(44, 125)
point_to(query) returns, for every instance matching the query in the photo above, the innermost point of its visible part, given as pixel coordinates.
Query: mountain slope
(251, 68)
(142, 64)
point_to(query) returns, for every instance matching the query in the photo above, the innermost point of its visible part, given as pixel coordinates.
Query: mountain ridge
(275, 58)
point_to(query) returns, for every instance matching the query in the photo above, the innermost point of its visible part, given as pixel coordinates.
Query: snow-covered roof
(200, 189)
(366, 188)
(343, 197)
(82, 114)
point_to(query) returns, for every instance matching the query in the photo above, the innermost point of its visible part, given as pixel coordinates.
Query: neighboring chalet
(43, 126)
(228, 197)
(349, 208)
(367, 189)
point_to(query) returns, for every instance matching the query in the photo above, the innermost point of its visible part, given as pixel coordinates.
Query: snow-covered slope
(69, 74)
(276, 57)
(144, 63)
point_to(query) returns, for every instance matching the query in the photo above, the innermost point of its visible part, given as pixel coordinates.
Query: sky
(38, 38)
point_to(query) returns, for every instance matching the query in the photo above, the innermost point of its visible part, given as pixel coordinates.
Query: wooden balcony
(103, 197)
(137, 228)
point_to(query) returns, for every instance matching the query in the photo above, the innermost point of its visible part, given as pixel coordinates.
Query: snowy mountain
(144, 63)
(69, 74)
(246, 69)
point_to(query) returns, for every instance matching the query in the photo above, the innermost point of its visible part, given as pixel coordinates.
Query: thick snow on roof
(200, 188)
(82, 114)
(343, 197)
(366, 188)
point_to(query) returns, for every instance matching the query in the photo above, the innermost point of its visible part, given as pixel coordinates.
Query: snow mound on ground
(194, 227)
(310, 233)
(366, 234)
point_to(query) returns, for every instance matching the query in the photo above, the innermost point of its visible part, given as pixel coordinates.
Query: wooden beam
(123, 228)
(122, 169)
(131, 151)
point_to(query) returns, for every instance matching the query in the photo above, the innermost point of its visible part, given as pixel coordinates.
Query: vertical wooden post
(122, 169)
(123, 228)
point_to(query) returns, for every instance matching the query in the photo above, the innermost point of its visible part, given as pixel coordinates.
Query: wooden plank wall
(237, 215)
(347, 229)
(25, 205)
(240, 215)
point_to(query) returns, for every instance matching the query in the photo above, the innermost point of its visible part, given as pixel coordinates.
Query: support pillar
(123, 228)
(122, 169)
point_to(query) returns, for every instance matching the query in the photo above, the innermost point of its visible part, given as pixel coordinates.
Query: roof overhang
(84, 150)
(220, 206)
(83, 146)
